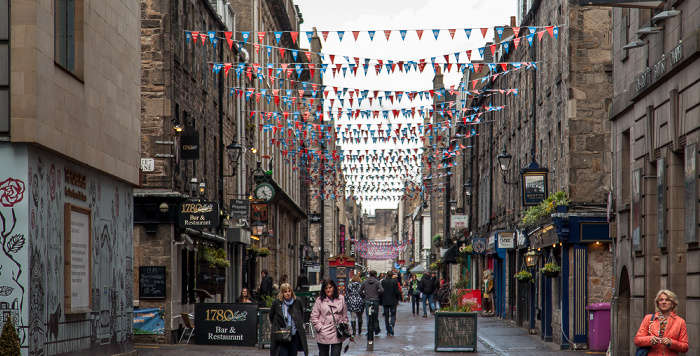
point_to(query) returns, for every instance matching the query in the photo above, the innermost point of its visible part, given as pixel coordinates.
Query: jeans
(291, 348)
(374, 304)
(389, 310)
(415, 303)
(429, 300)
(323, 349)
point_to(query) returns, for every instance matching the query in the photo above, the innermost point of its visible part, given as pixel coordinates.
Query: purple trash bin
(599, 326)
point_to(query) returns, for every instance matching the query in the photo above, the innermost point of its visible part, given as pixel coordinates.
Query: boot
(353, 328)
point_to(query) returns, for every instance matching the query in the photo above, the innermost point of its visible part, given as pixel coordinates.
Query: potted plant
(263, 252)
(437, 239)
(550, 270)
(455, 325)
(253, 250)
(523, 276)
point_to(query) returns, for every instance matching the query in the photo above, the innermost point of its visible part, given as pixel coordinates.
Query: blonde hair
(671, 296)
(356, 278)
(285, 287)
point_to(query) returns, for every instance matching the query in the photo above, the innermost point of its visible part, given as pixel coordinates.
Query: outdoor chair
(186, 318)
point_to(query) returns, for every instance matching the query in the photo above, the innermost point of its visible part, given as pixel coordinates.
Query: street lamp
(531, 257)
(194, 184)
(504, 162)
(257, 227)
(468, 187)
(234, 155)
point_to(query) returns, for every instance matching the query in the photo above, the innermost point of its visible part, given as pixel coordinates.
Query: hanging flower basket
(523, 276)
(263, 252)
(550, 270)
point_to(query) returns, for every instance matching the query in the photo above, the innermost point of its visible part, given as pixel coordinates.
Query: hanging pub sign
(189, 145)
(239, 208)
(534, 184)
(314, 218)
(201, 214)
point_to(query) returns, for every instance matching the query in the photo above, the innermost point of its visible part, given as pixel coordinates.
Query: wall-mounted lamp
(257, 227)
(202, 188)
(178, 128)
(234, 155)
(468, 187)
(634, 44)
(504, 162)
(666, 14)
(531, 258)
(164, 207)
(194, 184)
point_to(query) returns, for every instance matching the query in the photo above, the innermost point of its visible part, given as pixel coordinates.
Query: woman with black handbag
(329, 312)
(664, 332)
(287, 335)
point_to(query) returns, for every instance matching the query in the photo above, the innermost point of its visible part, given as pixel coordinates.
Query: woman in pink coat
(329, 310)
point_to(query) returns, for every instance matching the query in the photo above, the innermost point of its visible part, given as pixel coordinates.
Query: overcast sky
(410, 15)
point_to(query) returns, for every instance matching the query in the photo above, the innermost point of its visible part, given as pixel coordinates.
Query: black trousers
(323, 349)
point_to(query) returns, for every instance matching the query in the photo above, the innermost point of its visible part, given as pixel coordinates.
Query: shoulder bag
(284, 334)
(341, 329)
(643, 351)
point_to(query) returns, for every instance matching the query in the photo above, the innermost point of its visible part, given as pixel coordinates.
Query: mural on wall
(32, 273)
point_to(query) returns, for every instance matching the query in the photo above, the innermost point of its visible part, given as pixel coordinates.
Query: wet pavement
(414, 336)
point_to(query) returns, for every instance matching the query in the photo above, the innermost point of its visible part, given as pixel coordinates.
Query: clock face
(264, 192)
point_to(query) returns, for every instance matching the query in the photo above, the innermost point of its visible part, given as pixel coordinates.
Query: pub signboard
(198, 214)
(234, 324)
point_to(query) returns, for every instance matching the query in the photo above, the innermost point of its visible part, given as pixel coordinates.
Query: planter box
(455, 331)
(551, 274)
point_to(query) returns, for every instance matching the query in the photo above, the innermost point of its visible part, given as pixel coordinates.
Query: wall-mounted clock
(264, 192)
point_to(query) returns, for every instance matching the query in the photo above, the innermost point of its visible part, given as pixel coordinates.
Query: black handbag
(643, 351)
(284, 334)
(341, 329)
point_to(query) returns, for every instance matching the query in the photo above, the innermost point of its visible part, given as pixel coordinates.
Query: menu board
(151, 282)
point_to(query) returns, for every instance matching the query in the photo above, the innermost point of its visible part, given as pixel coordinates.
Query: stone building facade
(655, 130)
(555, 128)
(69, 148)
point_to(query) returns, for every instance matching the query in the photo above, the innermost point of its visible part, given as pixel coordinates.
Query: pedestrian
(244, 297)
(370, 290)
(303, 283)
(329, 310)
(390, 299)
(287, 311)
(266, 284)
(427, 287)
(664, 331)
(356, 305)
(414, 294)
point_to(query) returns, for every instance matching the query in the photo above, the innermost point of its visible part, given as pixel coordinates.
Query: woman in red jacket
(666, 333)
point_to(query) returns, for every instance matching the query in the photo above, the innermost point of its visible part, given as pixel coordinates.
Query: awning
(418, 269)
(451, 254)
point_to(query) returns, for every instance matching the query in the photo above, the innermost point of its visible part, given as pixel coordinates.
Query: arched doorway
(624, 337)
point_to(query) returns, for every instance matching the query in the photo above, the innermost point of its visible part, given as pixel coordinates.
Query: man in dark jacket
(427, 287)
(266, 284)
(370, 290)
(390, 300)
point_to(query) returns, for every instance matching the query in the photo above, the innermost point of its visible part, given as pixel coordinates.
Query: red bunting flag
(419, 33)
(294, 35)
(325, 35)
(539, 35)
(483, 32)
(452, 33)
(387, 33)
(261, 36)
(355, 33)
(228, 35)
(550, 29)
(516, 31)
(516, 42)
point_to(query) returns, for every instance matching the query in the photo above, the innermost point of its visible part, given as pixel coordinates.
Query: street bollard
(370, 329)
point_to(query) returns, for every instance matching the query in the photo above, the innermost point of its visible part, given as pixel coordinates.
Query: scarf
(287, 318)
(663, 321)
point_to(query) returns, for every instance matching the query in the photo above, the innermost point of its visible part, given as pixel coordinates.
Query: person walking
(287, 311)
(370, 290)
(390, 299)
(329, 310)
(266, 284)
(414, 294)
(356, 305)
(664, 331)
(427, 287)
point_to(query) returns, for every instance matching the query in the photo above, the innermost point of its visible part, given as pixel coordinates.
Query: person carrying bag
(287, 334)
(664, 332)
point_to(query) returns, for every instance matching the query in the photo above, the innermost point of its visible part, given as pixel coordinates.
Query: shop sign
(460, 221)
(314, 218)
(239, 208)
(198, 214)
(232, 324)
(505, 240)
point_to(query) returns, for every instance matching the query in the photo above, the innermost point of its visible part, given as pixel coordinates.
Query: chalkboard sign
(151, 282)
(226, 323)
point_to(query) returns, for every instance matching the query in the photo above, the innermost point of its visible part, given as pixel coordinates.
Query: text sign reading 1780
(200, 214)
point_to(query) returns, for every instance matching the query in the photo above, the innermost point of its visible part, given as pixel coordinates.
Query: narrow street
(414, 336)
